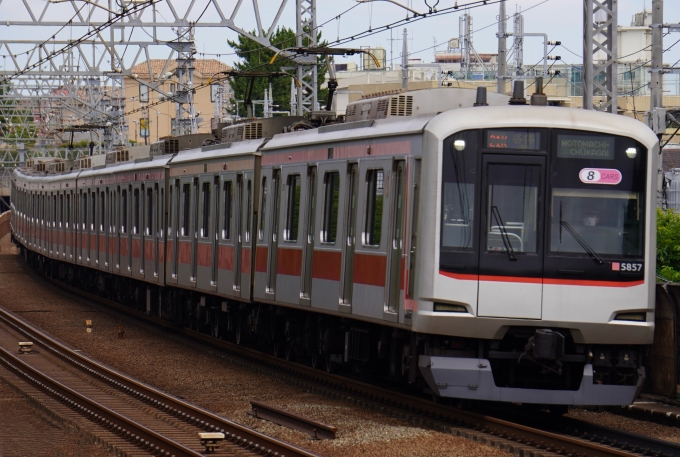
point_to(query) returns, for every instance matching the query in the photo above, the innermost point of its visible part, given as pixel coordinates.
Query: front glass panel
(595, 188)
(513, 207)
(598, 193)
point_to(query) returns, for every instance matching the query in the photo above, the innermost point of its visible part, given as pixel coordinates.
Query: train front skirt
(469, 378)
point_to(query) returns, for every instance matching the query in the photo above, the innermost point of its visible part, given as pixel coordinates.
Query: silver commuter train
(490, 252)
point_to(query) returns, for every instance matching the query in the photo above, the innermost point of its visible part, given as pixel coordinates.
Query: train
(469, 245)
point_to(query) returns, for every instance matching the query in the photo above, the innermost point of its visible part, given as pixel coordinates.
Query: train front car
(536, 282)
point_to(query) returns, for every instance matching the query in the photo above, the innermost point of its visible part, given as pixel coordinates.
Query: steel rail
(133, 432)
(316, 430)
(251, 440)
(488, 424)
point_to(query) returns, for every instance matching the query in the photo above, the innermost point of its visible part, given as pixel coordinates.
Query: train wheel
(239, 332)
(315, 359)
(331, 367)
(290, 350)
(276, 348)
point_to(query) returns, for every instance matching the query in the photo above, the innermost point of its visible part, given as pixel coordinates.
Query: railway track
(144, 420)
(577, 438)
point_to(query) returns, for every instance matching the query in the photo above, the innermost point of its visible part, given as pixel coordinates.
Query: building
(148, 125)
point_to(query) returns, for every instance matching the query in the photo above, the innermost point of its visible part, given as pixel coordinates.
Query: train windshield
(541, 192)
(597, 194)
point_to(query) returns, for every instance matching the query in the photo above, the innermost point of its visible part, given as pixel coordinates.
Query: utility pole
(502, 50)
(657, 114)
(600, 51)
(404, 61)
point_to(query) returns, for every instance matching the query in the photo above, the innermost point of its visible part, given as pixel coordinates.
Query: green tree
(668, 244)
(16, 119)
(255, 57)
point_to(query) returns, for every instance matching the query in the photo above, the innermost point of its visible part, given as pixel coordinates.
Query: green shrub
(668, 244)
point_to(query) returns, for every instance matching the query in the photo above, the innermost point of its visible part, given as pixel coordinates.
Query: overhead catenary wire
(95, 30)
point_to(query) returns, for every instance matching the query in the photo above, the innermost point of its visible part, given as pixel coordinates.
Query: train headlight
(631, 152)
(459, 145)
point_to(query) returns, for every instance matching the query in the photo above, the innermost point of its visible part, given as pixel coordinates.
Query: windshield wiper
(581, 241)
(504, 234)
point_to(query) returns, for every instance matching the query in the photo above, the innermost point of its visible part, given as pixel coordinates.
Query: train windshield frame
(588, 203)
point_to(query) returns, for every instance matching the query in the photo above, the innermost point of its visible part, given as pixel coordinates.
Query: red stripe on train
(547, 281)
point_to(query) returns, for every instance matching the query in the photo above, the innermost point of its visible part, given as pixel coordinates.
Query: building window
(143, 93)
(144, 127)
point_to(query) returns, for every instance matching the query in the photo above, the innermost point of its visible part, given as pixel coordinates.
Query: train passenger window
(186, 198)
(149, 212)
(112, 208)
(102, 211)
(123, 211)
(161, 205)
(458, 191)
(331, 199)
(249, 208)
(68, 210)
(93, 204)
(171, 212)
(54, 211)
(84, 219)
(205, 221)
(263, 207)
(135, 212)
(290, 231)
(226, 229)
(61, 210)
(374, 207)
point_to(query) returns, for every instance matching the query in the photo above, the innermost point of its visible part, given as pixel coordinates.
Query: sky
(562, 20)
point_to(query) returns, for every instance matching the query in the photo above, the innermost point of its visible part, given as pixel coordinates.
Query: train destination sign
(513, 139)
(585, 147)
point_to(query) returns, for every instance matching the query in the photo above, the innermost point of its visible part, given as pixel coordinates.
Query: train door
(150, 223)
(136, 229)
(395, 242)
(204, 256)
(262, 242)
(68, 226)
(184, 268)
(103, 229)
(194, 232)
(511, 252)
(126, 230)
(350, 211)
(159, 245)
(214, 232)
(328, 242)
(94, 241)
(174, 210)
(112, 248)
(308, 237)
(238, 235)
(413, 242)
(289, 248)
(84, 237)
(226, 251)
(270, 289)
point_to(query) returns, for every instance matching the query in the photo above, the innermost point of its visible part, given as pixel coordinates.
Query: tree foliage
(255, 57)
(668, 244)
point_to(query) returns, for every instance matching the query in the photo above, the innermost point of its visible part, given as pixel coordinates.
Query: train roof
(539, 116)
(219, 151)
(350, 131)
